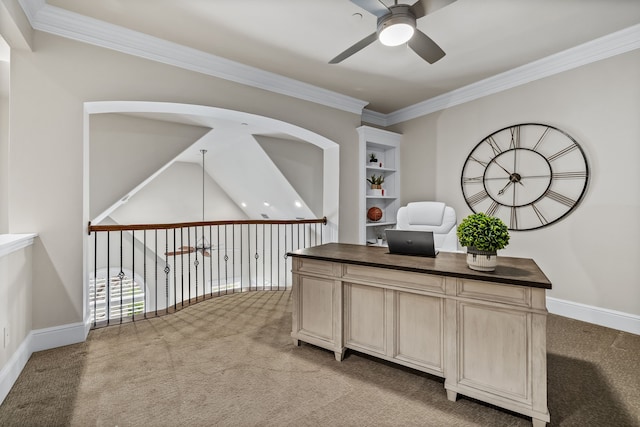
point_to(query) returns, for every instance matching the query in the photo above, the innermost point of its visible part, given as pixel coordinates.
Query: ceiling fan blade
(183, 250)
(425, 7)
(355, 48)
(177, 253)
(426, 48)
(375, 7)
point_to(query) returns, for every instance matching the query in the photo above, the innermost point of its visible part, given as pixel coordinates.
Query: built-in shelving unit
(386, 147)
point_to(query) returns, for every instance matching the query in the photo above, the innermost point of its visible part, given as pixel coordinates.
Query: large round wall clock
(529, 175)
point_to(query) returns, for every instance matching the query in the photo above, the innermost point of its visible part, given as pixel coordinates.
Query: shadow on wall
(56, 292)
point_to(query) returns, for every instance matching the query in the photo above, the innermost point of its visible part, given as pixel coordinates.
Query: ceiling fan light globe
(396, 34)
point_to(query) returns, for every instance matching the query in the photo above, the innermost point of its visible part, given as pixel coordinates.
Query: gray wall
(49, 87)
(591, 255)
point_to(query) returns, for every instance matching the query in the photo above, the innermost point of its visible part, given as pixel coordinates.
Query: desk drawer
(305, 265)
(517, 295)
(389, 277)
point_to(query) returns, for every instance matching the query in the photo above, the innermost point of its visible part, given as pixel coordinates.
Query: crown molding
(604, 47)
(374, 118)
(60, 22)
(57, 21)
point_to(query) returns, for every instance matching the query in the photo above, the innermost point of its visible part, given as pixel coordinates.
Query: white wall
(176, 196)
(126, 150)
(4, 144)
(49, 87)
(15, 300)
(591, 256)
(301, 163)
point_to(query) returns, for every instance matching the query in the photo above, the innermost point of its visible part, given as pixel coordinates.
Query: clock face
(529, 175)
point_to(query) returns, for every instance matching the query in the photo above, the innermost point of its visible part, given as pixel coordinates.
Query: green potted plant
(483, 235)
(376, 184)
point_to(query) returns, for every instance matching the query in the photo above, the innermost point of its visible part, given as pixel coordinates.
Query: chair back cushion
(431, 216)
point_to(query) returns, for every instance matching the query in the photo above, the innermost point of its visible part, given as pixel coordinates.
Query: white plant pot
(481, 260)
(375, 192)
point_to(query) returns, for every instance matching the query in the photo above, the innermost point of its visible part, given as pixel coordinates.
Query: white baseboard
(11, 371)
(600, 316)
(57, 336)
(38, 340)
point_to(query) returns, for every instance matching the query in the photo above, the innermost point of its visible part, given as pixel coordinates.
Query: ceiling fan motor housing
(398, 14)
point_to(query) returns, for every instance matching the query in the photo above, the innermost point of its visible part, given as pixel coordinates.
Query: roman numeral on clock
(494, 145)
(541, 217)
(478, 197)
(491, 210)
(567, 201)
(569, 175)
(472, 180)
(515, 137)
(562, 152)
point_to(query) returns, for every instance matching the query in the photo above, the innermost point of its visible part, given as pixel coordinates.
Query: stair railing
(147, 270)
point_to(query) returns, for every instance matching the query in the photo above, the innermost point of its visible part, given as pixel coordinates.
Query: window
(122, 296)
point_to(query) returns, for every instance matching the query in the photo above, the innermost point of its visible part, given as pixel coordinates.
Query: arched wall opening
(203, 115)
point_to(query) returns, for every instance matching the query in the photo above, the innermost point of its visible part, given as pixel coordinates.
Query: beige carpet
(230, 362)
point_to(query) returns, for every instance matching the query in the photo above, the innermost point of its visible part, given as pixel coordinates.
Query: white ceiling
(297, 38)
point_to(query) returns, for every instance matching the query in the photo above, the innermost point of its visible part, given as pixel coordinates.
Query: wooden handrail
(201, 224)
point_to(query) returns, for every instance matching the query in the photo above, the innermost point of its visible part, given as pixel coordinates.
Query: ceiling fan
(397, 25)
(202, 246)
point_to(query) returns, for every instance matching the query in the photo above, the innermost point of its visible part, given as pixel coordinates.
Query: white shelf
(375, 168)
(376, 224)
(386, 146)
(381, 197)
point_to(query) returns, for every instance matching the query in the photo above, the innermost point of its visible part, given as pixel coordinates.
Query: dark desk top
(513, 271)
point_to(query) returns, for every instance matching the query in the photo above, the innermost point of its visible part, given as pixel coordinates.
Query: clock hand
(501, 192)
(502, 167)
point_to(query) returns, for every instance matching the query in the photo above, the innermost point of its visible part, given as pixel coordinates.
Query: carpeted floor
(230, 361)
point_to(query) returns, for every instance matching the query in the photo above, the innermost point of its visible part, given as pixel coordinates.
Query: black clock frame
(515, 177)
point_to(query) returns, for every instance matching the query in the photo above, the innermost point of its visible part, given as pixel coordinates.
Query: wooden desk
(485, 333)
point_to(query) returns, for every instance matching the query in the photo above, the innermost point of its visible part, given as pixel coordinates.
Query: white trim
(57, 336)
(13, 242)
(600, 316)
(54, 20)
(12, 369)
(38, 340)
(604, 47)
(374, 118)
(61, 22)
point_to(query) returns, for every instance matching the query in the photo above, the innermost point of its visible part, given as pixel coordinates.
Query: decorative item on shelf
(374, 214)
(376, 185)
(483, 235)
(373, 158)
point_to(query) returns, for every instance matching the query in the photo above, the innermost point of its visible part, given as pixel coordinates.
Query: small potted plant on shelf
(483, 235)
(376, 185)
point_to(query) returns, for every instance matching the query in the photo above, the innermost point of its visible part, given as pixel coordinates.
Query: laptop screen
(411, 242)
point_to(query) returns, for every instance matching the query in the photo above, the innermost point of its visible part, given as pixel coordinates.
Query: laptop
(411, 242)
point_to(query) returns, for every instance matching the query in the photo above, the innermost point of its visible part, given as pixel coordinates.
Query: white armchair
(431, 216)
